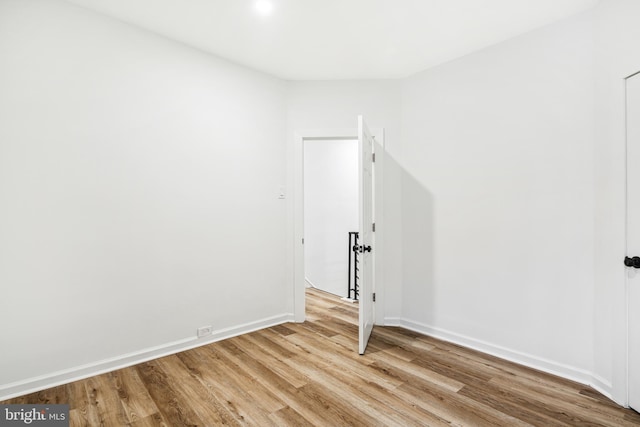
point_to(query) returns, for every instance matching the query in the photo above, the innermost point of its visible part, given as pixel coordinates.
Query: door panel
(633, 236)
(365, 170)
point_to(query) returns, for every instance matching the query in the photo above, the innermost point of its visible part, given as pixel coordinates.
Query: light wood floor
(310, 374)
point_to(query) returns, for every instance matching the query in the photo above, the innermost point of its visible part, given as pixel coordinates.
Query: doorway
(370, 149)
(330, 212)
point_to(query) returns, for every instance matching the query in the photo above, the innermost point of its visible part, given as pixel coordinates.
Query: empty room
(305, 212)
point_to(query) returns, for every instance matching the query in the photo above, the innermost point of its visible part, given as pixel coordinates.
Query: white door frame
(627, 290)
(298, 207)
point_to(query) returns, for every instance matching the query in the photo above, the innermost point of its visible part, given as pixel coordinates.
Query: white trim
(549, 366)
(392, 321)
(298, 213)
(309, 283)
(31, 385)
(627, 291)
(378, 235)
(626, 246)
(601, 385)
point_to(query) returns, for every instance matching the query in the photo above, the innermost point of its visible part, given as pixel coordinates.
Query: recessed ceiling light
(264, 7)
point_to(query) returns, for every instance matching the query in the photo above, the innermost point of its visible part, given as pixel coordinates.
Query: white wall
(332, 105)
(138, 193)
(138, 175)
(497, 202)
(330, 211)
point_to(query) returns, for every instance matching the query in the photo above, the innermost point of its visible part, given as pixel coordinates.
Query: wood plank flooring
(310, 374)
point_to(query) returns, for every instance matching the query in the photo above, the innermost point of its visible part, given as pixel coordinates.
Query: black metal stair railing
(352, 275)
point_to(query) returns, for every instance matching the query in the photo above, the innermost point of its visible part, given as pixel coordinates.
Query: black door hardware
(632, 262)
(361, 249)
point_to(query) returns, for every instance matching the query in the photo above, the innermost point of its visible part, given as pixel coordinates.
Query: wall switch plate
(204, 331)
(281, 192)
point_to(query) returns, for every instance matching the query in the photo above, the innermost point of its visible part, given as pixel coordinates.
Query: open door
(366, 248)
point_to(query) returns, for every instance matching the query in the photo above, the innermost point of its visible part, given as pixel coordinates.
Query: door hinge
(303, 240)
(373, 157)
(374, 297)
(373, 228)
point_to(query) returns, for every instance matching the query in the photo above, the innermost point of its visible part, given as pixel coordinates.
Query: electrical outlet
(204, 331)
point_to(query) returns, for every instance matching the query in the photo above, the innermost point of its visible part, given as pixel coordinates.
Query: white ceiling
(339, 39)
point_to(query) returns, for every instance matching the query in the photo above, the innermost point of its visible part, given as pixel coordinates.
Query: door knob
(632, 262)
(361, 248)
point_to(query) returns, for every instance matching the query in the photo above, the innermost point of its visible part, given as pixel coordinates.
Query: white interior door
(367, 248)
(633, 237)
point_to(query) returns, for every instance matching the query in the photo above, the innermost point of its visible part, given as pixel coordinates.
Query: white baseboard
(31, 385)
(602, 386)
(393, 321)
(552, 367)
